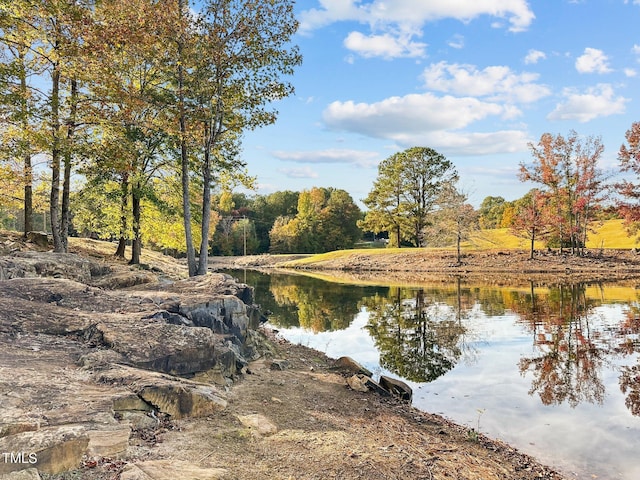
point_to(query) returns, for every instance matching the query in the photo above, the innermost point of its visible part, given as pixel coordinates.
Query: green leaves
(405, 193)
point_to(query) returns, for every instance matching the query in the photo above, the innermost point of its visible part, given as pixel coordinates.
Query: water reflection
(419, 337)
(570, 351)
(421, 334)
(556, 367)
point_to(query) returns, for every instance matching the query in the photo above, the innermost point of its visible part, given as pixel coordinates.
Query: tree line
(143, 104)
(147, 100)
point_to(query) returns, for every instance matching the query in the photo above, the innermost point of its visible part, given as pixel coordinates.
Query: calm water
(553, 370)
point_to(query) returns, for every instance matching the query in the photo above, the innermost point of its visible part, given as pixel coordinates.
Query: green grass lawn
(610, 234)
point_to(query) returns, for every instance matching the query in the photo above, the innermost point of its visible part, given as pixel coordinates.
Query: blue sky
(476, 80)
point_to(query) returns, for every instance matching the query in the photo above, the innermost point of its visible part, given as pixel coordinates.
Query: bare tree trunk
(68, 157)
(203, 259)
(124, 204)
(54, 199)
(184, 158)
(26, 146)
(136, 247)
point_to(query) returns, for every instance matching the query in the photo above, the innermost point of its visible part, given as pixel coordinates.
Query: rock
(40, 239)
(108, 443)
(130, 278)
(349, 364)
(180, 401)
(170, 470)
(396, 387)
(259, 424)
(28, 474)
(279, 364)
(357, 383)
(48, 264)
(51, 450)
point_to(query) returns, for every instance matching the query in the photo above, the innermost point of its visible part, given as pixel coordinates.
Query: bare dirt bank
(491, 266)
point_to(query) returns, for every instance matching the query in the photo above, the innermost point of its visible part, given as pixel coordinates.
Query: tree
(490, 212)
(455, 219)
(629, 158)
(571, 181)
(242, 51)
(405, 193)
(325, 220)
(529, 220)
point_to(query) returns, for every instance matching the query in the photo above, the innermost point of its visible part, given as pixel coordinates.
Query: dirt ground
(304, 422)
(507, 267)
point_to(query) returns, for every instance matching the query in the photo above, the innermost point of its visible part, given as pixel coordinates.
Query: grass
(610, 234)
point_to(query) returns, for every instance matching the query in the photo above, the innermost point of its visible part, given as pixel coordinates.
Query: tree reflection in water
(422, 333)
(571, 354)
(418, 338)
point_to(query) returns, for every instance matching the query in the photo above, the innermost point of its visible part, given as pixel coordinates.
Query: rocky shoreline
(120, 373)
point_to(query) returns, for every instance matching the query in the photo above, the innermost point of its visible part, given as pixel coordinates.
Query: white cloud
(386, 45)
(494, 82)
(357, 157)
(457, 41)
(534, 56)
(393, 25)
(630, 72)
(462, 143)
(593, 61)
(425, 119)
(598, 101)
(410, 12)
(305, 172)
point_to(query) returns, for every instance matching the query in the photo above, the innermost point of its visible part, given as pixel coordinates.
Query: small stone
(259, 424)
(280, 364)
(396, 387)
(351, 365)
(358, 383)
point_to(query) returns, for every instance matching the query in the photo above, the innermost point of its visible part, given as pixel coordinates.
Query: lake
(553, 370)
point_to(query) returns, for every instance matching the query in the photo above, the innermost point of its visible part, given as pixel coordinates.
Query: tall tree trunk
(68, 157)
(184, 158)
(124, 204)
(26, 146)
(54, 199)
(136, 247)
(206, 204)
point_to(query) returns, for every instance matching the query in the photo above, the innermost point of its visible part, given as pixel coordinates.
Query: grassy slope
(611, 234)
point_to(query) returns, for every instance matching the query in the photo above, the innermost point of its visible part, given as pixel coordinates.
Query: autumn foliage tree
(629, 191)
(571, 183)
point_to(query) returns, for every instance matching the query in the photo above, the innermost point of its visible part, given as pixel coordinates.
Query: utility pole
(244, 234)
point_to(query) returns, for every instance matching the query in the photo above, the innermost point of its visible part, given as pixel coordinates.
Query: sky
(475, 80)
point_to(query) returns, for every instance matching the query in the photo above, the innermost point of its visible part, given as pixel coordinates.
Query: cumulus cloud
(410, 12)
(425, 119)
(598, 101)
(498, 83)
(386, 45)
(393, 25)
(593, 61)
(534, 56)
(345, 156)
